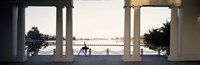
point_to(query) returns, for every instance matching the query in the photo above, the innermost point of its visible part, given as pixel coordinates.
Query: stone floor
(101, 60)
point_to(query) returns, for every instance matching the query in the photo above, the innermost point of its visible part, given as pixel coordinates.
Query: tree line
(156, 39)
(37, 40)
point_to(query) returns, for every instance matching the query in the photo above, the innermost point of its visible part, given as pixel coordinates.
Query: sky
(95, 19)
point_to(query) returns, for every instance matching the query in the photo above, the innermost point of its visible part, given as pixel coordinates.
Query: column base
(60, 60)
(173, 58)
(20, 59)
(14, 59)
(126, 58)
(64, 59)
(69, 58)
(132, 59)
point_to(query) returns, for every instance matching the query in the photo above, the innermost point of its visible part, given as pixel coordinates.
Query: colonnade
(127, 35)
(20, 51)
(20, 35)
(175, 46)
(68, 57)
(18, 32)
(175, 33)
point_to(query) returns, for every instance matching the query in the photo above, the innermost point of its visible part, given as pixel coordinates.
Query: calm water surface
(97, 50)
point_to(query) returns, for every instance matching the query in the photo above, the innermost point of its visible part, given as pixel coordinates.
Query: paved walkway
(102, 60)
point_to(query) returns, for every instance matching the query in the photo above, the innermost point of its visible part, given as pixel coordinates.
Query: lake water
(97, 50)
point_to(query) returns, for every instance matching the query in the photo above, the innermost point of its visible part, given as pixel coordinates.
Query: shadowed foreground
(101, 60)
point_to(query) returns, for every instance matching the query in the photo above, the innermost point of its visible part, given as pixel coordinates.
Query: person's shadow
(84, 50)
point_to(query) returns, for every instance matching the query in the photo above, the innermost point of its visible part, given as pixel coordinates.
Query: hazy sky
(99, 18)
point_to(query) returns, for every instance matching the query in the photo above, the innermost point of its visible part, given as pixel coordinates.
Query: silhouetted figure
(84, 49)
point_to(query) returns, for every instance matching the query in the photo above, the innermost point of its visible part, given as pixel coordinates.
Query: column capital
(59, 6)
(127, 6)
(137, 6)
(174, 6)
(69, 6)
(176, 3)
(22, 5)
(70, 3)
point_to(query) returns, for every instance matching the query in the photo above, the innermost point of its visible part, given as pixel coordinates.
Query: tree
(158, 39)
(38, 41)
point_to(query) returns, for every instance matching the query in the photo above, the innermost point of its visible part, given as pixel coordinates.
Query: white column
(180, 20)
(127, 30)
(14, 33)
(21, 35)
(173, 34)
(59, 34)
(69, 27)
(136, 46)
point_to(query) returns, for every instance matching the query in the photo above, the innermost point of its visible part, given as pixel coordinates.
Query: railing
(110, 52)
(53, 44)
(102, 52)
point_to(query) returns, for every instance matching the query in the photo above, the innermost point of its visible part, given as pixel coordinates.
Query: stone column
(180, 31)
(69, 34)
(127, 30)
(59, 34)
(136, 46)
(173, 33)
(21, 35)
(14, 30)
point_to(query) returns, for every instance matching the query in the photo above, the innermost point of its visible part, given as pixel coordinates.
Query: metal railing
(102, 52)
(111, 52)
